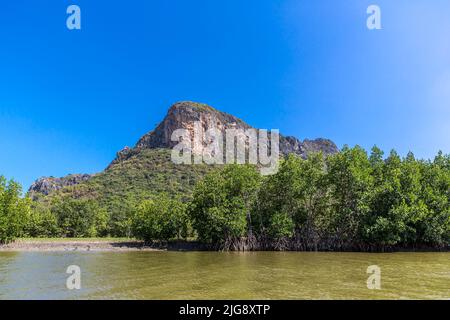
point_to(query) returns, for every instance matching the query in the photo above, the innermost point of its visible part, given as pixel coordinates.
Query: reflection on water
(212, 275)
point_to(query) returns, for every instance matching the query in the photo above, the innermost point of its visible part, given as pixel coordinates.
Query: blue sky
(69, 100)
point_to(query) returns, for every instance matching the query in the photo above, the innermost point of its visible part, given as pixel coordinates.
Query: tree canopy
(351, 200)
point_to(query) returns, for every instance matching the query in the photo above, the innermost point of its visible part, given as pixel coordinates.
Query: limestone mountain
(147, 168)
(182, 115)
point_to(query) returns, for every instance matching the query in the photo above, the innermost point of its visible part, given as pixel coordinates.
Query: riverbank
(96, 244)
(54, 245)
(131, 244)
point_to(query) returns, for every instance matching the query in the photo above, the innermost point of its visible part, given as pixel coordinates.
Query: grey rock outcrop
(47, 185)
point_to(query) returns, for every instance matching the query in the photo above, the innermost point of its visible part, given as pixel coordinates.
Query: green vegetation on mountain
(123, 186)
(149, 172)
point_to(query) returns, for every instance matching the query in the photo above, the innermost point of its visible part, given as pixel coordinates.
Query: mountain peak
(183, 115)
(192, 105)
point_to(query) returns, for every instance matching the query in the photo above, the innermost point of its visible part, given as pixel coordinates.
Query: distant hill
(147, 167)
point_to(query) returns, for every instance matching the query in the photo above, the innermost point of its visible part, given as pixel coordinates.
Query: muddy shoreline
(137, 245)
(81, 246)
(98, 246)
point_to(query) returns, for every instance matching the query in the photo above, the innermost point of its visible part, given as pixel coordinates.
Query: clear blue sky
(70, 99)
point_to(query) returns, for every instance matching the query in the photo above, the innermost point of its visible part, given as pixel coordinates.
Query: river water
(213, 275)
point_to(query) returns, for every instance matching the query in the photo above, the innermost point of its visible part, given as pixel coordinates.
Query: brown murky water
(212, 275)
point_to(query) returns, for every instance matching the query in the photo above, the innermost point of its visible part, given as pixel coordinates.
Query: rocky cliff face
(290, 145)
(47, 185)
(183, 115)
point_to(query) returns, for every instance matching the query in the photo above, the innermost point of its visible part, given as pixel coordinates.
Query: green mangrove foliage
(160, 219)
(293, 203)
(77, 218)
(14, 211)
(64, 218)
(220, 210)
(347, 201)
(42, 222)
